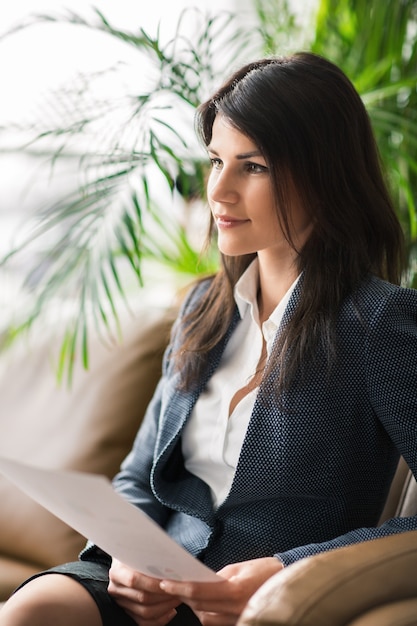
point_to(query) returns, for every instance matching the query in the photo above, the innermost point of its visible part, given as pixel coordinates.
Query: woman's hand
(220, 604)
(141, 596)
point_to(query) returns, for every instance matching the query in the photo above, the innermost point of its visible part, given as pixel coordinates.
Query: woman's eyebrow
(244, 155)
(249, 155)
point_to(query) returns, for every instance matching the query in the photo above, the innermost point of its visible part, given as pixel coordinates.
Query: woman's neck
(274, 282)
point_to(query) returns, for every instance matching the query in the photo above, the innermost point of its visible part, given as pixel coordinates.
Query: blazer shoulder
(189, 301)
(378, 302)
(375, 292)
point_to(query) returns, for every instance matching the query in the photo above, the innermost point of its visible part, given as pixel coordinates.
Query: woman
(288, 390)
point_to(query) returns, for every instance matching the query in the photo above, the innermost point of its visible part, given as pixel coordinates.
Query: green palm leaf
(136, 148)
(132, 147)
(375, 43)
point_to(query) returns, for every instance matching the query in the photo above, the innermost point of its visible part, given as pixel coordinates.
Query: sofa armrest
(89, 427)
(337, 587)
(401, 613)
(12, 573)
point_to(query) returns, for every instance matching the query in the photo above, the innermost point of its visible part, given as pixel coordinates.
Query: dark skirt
(95, 578)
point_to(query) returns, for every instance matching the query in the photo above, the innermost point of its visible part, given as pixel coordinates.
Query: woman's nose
(222, 188)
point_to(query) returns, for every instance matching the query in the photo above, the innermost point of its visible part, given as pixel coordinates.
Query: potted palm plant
(375, 43)
(140, 173)
(139, 158)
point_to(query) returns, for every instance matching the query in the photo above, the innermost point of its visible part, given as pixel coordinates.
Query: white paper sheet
(89, 504)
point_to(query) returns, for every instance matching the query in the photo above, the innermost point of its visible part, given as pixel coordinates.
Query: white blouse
(212, 440)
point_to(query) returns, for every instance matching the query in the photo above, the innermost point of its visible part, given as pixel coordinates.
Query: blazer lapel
(174, 485)
(262, 441)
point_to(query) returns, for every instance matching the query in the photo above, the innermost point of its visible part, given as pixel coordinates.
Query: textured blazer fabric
(315, 469)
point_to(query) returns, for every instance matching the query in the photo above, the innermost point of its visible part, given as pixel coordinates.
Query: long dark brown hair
(313, 130)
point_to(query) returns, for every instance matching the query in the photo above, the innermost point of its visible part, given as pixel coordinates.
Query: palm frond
(137, 152)
(136, 148)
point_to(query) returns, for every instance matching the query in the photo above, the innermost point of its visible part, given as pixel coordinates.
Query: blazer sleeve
(133, 480)
(391, 357)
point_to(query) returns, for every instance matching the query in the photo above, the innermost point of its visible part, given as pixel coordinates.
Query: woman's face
(240, 196)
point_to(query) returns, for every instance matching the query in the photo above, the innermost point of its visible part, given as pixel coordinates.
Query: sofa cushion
(12, 573)
(402, 613)
(89, 427)
(402, 497)
(334, 588)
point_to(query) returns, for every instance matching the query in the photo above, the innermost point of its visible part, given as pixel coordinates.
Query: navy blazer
(313, 473)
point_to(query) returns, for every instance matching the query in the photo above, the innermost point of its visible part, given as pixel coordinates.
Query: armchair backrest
(402, 498)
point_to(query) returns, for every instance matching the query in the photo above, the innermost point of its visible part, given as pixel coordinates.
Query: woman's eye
(256, 168)
(215, 163)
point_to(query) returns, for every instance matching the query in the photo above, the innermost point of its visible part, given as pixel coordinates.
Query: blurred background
(102, 206)
(101, 178)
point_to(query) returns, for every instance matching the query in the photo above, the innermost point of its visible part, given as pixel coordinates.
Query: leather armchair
(88, 427)
(91, 428)
(368, 584)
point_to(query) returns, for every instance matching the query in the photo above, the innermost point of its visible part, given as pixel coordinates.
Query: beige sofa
(369, 584)
(91, 428)
(373, 584)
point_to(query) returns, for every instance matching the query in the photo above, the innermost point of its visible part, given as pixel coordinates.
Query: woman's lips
(225, 221)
